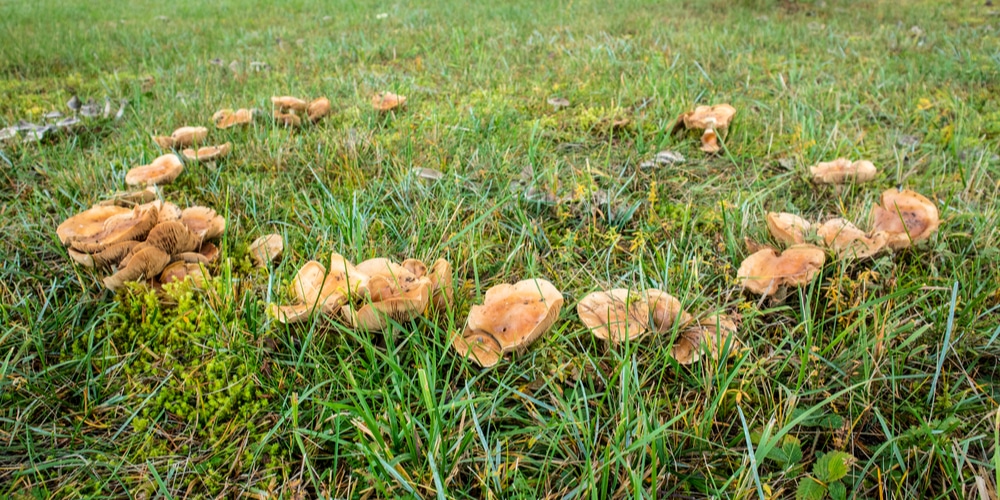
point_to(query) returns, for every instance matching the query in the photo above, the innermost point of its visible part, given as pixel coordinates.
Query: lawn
(878, 379)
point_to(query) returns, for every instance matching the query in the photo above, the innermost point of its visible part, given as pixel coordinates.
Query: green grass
(203, 394)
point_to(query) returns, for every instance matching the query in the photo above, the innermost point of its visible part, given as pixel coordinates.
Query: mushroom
(168, 212)
(227, 118)
(266, 249)
(665, 311)
(162, 170)
(906, 216)
(846, 240)
(173, 238)
(392, 291)
(317, 109)
(203, 221)
(314, 287)
(766, 271)
(147, 263)
(843, 171)
(132, 225)
(442, 294)
(510, 318)
(286, 103)
(387, 101)
(209, 251)
(711, 119)
(558, 102)
(615, 315)
(109, 256)
(182, 137)
(713, 334)
(287, 119)
(180, 270)
(208, 153)
(789, 229)
(87, 223)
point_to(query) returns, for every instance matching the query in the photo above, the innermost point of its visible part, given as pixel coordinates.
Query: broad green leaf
(810, 489)
(792, 450)
(837, 490)
(832, 466)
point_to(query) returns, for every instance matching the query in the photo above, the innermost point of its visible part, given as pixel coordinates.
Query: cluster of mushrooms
(902, 218)
(190, 140)
(56, 121)
(290, 111)
(370, 295)
(140, 237)
(711, 120)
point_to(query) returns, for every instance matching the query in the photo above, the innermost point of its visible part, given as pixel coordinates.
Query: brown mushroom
(766, 271)
(132, 199)
(132, 225)
(109, 256)
(442, 294)
(147, 263)
(665, 311)
(208, 153)
(712, 334)
(227, 118)
(203, 221)
(387, 101)
(847, 241)
(289, 103)
(162, 170)
(173, 238)
(181, 270)
(87, 223)
(843, 171)
(168, 212)
(789, 229)
(317, 109)
(287, 119)
(182, 137)
(209, 251)
(906, 216)
(314, 288)
(266, 249)
(711, 119)
(615, 315)
(392, 292)
(510, 318)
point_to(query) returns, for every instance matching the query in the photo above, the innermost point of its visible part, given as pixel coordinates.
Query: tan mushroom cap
(615, 315)
(286, 103)
(317, 109)
(512, 315)
(906, 216)
(132, 225)
(789, 229)
(843, 171)
(766, 271)
(712, 334)
(182, 137)
(111, 255)
(480, 347)
(162, 170)
(180, 270)
(314, 287)
(287, 119)
(168, 211)
(711, 119)
(846, 240)
(387, 101)
(208, 153)
(147, 263)
(442, 292)
(173, 238)
(227, 118)
(266, 249)
(394, 293)
(203, 222)
(666, 311)
(87, 223)
(209, 251)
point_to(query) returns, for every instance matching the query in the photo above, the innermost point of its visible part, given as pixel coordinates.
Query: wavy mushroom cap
(168, 212)
(109, 256)
(227, 118)
(162, 170)
(789, 229)
(766, 271)
(314, 288)
(173, 237)
(513, 315)
(266, 249)
(132, 225)
(188, 136)
(398, 303)
(715, 334)
(145, 264)
(715, 117)
(287, 119)
(442, 292)
(88, 223)
(289, 103)
(906, 216)
(148, 195)
(615, 315)
(480, 347)
(317, 109)
(179, 271)
(665, 311)
(387, 101)
(203, 222)
(843, 171)
(208, 153)
(846, 240)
